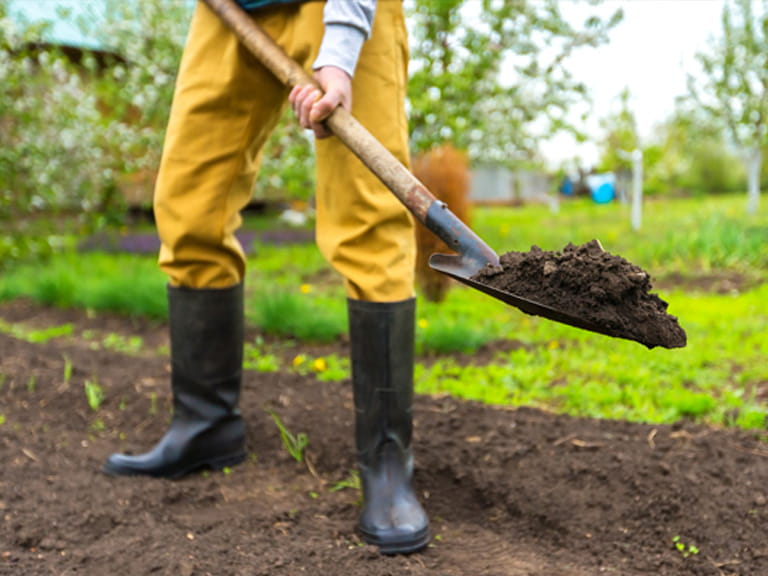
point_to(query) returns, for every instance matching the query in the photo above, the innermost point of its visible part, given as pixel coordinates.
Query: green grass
(678, 235)
(720, 378)
(114, 282)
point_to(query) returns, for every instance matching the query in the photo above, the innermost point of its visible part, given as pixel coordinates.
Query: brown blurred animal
(445, 172)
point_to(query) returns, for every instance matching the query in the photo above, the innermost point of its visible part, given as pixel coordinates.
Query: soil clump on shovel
(589, 283)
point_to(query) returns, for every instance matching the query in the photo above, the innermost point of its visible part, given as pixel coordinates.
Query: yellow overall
(225, 106)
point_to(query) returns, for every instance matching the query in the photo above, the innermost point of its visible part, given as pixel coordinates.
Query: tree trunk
(754, 162)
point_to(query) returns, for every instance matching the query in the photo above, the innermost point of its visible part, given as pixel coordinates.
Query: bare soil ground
(510, 492)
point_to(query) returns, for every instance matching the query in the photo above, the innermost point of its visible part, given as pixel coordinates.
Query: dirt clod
(589, 283)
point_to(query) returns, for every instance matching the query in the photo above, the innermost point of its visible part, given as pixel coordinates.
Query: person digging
(225, 105)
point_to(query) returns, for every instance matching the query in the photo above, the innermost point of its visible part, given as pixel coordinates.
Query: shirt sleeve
(348, 24)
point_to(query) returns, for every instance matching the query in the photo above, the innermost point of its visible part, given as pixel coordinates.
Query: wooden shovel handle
(412, 193)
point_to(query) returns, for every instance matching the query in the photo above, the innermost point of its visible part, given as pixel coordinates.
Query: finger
(302, 98)
(307, 106)
(324, 107)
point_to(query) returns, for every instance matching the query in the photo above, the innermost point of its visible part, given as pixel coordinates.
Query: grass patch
(714, 379)
(121, 283)
(296, 315)
(719, 378)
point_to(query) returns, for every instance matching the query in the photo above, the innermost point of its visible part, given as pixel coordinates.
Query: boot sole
(208, 464)
(394, 546)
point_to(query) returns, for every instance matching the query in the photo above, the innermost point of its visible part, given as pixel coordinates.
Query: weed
(686, 550)
(295, 445)
(36, 336)
(67, 369)
(352, 482)
(2, 419)
(255, 358)
(94, 394)
(32, 384)
(152, 403)
(325, 368)
(120, 343)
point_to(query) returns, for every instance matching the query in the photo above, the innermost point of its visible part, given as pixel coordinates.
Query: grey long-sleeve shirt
(347, 25)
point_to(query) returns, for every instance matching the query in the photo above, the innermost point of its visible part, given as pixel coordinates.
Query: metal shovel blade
(457, 267)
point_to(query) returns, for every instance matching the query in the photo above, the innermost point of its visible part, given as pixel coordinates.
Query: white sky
(649, 52)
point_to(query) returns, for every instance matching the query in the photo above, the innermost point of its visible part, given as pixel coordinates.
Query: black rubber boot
(206, 430)
(382, 353)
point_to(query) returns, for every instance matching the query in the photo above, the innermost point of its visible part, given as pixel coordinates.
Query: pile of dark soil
(588, 283)
(509, 492)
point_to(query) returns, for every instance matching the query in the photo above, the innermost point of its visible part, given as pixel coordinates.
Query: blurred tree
(734, 88)
(491, 76)
(620, 138)
(690, 154)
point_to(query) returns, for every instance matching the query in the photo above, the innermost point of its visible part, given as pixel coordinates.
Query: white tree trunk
(637, 189)
(754, 163)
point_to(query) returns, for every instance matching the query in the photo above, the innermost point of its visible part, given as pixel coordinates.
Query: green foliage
(119, 283)
(620, 138)
(491, 77)
(36, 336)
(302, 316)
(294, 444)
(288, 163)
(735, 81)
(67, 369)
(685, 550)
(451, 334)
(691, 155)
(718, 378)
(75, 134)
(94, 394)
(734, 91)
(255, 357)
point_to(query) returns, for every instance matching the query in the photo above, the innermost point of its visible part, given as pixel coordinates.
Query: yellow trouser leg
(224, 108)
(362, 228)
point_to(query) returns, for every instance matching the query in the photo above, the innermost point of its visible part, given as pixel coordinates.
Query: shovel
(472, 254)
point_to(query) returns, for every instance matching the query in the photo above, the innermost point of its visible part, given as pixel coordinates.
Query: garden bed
(509, 492)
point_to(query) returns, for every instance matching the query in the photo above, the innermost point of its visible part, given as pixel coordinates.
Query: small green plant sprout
(152, 403)
(686, 550)
(256, 358)
(32, 384)
(294, 444)
(94, 394)
(67, 369)
(2, 419)
(352, 482)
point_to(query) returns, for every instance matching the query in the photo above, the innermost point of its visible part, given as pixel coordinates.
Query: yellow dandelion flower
(319, 365)
(553, 344)
(298, 360)
(423, 323)
(305, 289)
